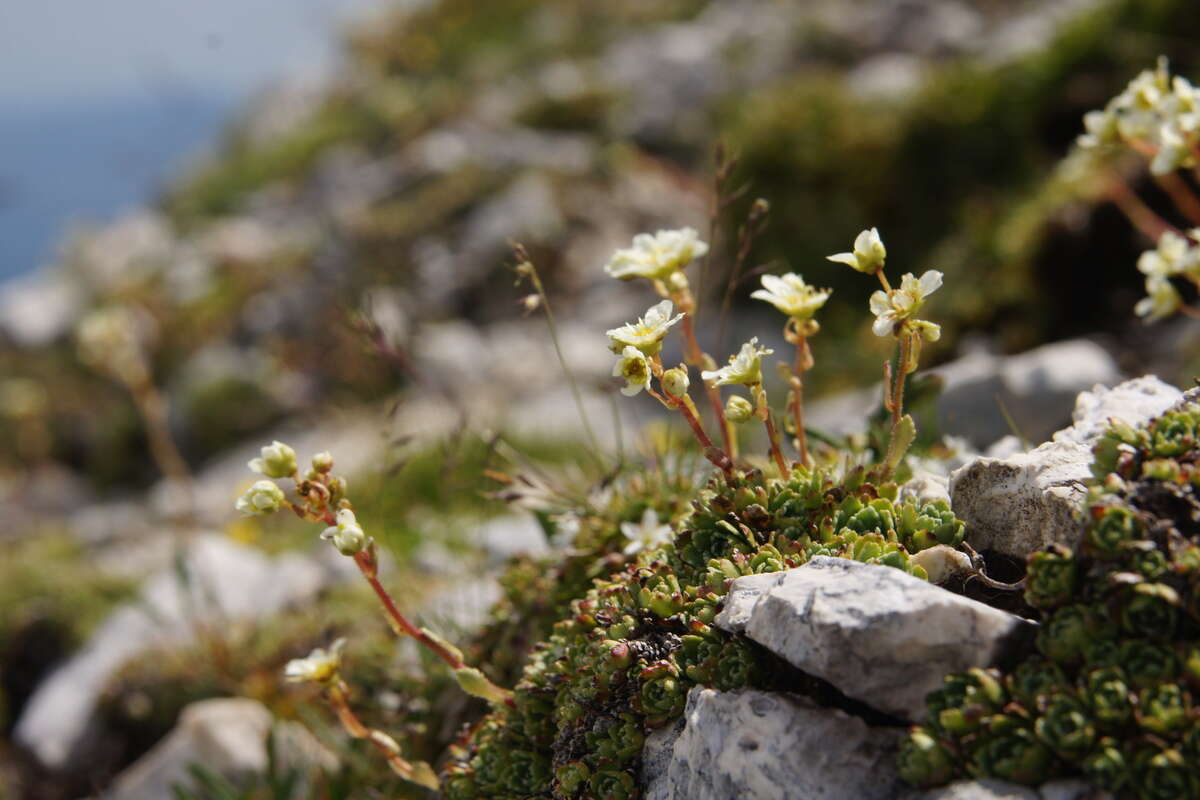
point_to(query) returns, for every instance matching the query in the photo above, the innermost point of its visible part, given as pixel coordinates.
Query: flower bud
(264, 497)
(675, 381)
(277, 461)
(337, 489)
(738, 409)
(323, 461)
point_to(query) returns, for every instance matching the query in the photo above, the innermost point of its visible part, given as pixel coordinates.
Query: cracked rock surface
(879, 635)
(1022, 503)
(770, 747)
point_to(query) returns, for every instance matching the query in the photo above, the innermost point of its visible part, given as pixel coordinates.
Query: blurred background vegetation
(344, 255)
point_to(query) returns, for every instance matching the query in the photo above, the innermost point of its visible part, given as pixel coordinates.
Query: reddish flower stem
(695, 357)
(1182, 196)
(1141, 215)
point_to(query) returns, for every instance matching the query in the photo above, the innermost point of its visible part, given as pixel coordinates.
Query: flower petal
(931, 281)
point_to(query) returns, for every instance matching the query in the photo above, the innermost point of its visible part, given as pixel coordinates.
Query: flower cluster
(657, 257)
(1176, 257)
(896, 309)
(113, 340)
(1155, 114)
(321, 495)
(1110, 692)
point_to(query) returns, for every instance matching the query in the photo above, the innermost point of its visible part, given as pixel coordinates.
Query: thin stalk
(763, 411)
(1151, 225)
(562, 361)
(369, 567)
(420, 773)
(902, 371)
(153, 408)
(887, 287)
(695, 356)
(748, 232)
(803, 362)
(1181, 195)
(718, 457)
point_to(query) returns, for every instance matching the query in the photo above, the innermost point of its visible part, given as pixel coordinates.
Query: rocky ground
(392, 193)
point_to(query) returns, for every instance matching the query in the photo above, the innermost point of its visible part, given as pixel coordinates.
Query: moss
(621, 660)
(1110, 690)
(142, 703)
(51, 597)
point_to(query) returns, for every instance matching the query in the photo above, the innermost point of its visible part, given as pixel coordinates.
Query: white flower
(900, 305)
(656, 257)
(264, 497)
(347, 535)
(321, 666)
(1163, 299)
(869, 253)
(277, 461)
(111, 340)
(1101, 130)
(647, 534)
(791, 295)
(744, 368)
(648, 332)
(635, 369)
(1173, 151)
(1169, 258)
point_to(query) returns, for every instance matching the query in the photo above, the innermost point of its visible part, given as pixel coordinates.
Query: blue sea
(101, 103)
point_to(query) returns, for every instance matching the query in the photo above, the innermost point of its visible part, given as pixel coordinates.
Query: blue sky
(102, 100)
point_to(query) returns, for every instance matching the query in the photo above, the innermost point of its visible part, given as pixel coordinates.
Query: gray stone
(942, 562)
(39, 308)
(1071, 789)
(769, 747)
(991, 789)
(1021, 503)
(228, 737)
(985, 789)
(511, 535)
(225, 582)
(981, 391)
(878, 634)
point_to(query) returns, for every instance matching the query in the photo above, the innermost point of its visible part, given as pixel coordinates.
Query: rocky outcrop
(1021, 503)
(768, 747)
(879, 635)
(228, 738)
(984, 394)
(216, 582)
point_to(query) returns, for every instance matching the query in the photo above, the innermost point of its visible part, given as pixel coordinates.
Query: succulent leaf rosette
(622, 660)
(1109, 693)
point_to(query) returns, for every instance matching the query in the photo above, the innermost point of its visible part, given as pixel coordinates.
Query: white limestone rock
(981, 392)
(992, 789)
(942, 562)
(768, 747)
(1021, 503)
(226, 582)
(227, 736)
(984, 789)
(878, 634)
